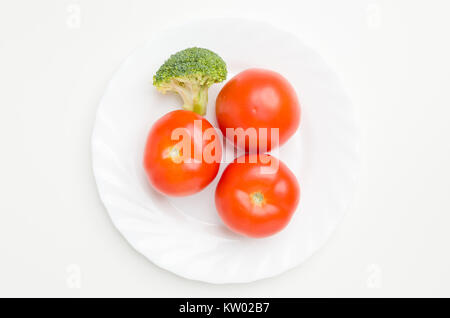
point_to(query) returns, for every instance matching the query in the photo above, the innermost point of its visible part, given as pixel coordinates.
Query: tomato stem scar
(257, 198)
(173, 153)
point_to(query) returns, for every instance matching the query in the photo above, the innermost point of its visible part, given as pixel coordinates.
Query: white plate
(185, 235)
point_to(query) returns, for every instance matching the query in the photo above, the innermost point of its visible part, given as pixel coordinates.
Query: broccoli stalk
(190, 73)
(194, 95)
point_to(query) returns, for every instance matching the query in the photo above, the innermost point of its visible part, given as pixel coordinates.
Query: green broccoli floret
(190, 73)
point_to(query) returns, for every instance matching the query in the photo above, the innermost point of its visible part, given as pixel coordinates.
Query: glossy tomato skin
(259, 98)
(163, 164)
(253, 203)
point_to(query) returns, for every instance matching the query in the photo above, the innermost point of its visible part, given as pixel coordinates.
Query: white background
(56, 58)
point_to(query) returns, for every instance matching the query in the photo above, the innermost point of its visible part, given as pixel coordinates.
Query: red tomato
(174, 157)
(255, 202)
(258, 98)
